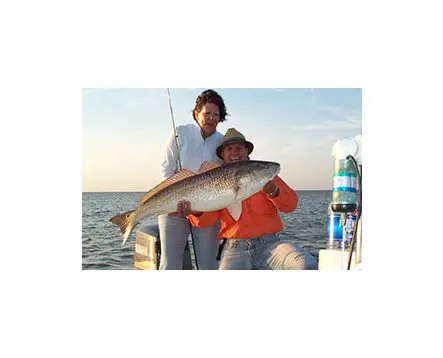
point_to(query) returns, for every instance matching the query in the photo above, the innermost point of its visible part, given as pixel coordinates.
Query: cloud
(334, 110)
(277, 89)
(348, 123)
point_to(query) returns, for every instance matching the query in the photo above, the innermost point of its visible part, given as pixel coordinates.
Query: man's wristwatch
(274, 193)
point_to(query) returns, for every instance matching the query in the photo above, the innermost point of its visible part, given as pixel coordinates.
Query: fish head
(252, 175)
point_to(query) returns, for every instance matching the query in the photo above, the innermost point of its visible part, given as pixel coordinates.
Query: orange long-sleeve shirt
(259, 215)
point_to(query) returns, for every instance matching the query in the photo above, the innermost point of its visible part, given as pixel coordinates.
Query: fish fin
(182, 174)
(206, 166)
(235, 210)
(124, 222)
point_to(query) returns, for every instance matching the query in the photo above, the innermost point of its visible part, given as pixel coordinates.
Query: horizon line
(129, 191)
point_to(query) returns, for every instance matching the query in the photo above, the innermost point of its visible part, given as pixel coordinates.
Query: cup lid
(344, 147)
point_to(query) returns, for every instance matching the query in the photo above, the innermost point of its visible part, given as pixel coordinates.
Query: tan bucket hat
(233, 136)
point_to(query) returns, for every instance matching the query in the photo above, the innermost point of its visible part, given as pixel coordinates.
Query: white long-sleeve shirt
(194, 150)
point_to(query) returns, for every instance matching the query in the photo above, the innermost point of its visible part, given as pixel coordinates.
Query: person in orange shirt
(252, 242)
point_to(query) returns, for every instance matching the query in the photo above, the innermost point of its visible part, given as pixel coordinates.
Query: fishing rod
(175, 131)
(180, 168)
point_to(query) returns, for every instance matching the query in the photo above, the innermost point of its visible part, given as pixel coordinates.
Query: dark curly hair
(210, 96)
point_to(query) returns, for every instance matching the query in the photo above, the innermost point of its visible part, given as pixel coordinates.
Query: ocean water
(101, 240)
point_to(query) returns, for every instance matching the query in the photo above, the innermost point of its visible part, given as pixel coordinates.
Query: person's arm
(281, 195)
(204, 219)
(169, 164)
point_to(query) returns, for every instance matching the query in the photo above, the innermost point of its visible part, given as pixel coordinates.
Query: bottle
(340, 225)
(344, 189)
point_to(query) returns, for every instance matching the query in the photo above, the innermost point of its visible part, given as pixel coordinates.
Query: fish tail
(125, 222)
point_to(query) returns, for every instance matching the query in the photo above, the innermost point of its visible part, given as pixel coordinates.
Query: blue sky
(125, 131)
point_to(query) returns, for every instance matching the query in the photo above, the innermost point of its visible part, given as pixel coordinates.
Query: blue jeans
(174, 232)
(267, 252)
